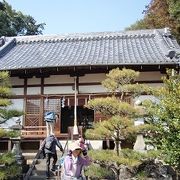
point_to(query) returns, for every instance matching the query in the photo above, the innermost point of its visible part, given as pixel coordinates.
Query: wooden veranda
(39, 132)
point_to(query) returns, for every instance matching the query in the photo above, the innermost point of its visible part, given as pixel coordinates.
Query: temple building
(46, 70)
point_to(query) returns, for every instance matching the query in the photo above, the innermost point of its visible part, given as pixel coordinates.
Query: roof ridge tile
(169, 49)
(78, 36)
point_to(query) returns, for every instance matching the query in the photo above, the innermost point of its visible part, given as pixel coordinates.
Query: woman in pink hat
(74, 163)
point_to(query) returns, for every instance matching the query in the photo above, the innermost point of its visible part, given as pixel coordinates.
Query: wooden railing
(40, 132)
(33, 131)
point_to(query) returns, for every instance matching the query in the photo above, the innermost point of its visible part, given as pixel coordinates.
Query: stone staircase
(39, 171)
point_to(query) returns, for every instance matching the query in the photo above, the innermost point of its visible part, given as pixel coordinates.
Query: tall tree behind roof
(160, 14)
(14, 23)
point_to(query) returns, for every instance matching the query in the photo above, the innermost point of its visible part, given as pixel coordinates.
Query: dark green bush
(9, 167)
(7, 158)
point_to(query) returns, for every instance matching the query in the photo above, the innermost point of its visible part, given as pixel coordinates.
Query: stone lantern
(16, 143)
(139, 145)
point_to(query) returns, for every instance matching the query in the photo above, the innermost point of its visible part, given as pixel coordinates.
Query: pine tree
(5, 92)
(119, 123)
(120, 114)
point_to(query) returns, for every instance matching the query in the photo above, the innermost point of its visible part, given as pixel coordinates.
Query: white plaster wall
(59, 79)
(33, 90)
(34, 80)
(149, 76)
(95, 144)
(92, 89)
(92, 78)
(58, 90)
(16, 81)
(17, 91)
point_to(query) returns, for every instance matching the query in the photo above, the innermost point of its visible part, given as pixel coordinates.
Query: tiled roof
(144, 47)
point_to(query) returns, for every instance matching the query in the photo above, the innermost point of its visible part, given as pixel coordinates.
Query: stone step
(39, 172)
(43, 178)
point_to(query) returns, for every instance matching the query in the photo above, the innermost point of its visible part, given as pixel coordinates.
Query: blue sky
(76, 16)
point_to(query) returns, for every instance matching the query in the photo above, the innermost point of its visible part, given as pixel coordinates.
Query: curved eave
(87, 69)
(94, 65)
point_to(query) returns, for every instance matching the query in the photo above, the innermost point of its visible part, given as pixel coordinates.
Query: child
(74, 163)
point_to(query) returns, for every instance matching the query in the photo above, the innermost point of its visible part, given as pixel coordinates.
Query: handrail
(26, 177)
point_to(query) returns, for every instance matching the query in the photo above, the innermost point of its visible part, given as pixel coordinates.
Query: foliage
(5, 92)
(7, 114)
(2, 175)
(13, 23)
(127, 159)
(109, 156)
(165, 117)
(4, 80)
(120, 114)
(2, 132)
(10, 133)
(117, 128)
(4, 89)
(13, 133)
(160, 14)
(7, 158)
(11, 169)
(123, 82)
(97, 172)
(174, 8)
(141, 175)
(115, 79)
(111, 106)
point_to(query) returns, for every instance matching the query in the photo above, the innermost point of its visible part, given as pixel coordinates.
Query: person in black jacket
(49, 147)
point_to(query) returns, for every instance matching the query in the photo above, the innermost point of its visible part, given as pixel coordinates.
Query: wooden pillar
(25, 100)
(41, 113)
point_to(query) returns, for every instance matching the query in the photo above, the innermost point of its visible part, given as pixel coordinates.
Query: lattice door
(32, 112)
(53, 105)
